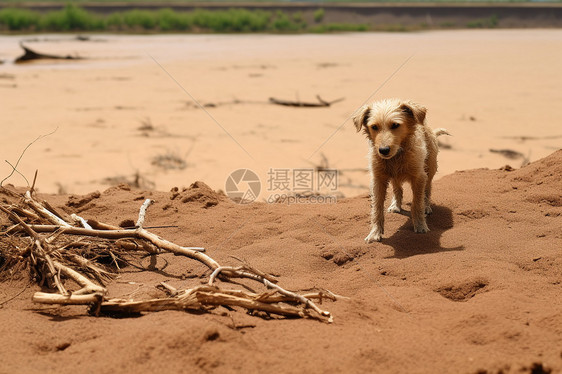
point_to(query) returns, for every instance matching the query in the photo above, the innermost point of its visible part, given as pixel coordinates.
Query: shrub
(490, 23)
(168, 20)
(237, 20)
(144, 19)
(282, 22)
(18, 19)
(71, 18)
(74, 18)
(319, 15)
(339, 27)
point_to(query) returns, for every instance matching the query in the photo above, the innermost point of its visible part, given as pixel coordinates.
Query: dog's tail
(441, 131)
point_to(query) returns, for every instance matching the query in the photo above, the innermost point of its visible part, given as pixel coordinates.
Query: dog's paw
(393, 208)
(428, 210)
(374, 236)
(421, 228)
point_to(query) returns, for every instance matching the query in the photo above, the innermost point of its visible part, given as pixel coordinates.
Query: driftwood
(53, 245)
(319, 104)
(31, 55)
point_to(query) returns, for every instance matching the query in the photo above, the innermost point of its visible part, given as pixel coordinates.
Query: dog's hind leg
(428, 209)
(397, 193)
(418, 203)
(431, 170)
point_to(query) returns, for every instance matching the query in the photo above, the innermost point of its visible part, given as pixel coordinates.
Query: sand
(479, 293)
(490, 89)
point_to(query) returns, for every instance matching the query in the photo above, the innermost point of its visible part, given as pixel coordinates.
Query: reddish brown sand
(480, 293)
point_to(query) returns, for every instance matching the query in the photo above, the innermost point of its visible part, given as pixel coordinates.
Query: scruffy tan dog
(402, 149)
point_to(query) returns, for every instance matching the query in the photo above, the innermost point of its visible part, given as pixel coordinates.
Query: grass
(339, 27)
(484, 23)
(75, 18)
(281, 2)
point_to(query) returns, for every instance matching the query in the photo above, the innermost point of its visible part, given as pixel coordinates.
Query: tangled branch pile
(56, 247)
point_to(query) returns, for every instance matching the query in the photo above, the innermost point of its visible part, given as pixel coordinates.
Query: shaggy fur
(402, 149)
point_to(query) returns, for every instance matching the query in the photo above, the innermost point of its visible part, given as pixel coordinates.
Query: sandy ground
(480, 293)
(490, 89)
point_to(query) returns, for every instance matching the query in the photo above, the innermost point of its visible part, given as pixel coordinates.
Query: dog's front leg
(396, 204)
(378, 194)
(418, 204)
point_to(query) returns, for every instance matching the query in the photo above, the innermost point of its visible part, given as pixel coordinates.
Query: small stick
(142, 212)
(82, 221)
(42, 211)
(32, 189)
(140, 233)
(220, 269)
(252, 269)
(87, 285)
(81, 261)
(268, 284)
(38, 243)
(24, 212)
(172, 291)
(73, 299)
(101, 226)
(51, 209)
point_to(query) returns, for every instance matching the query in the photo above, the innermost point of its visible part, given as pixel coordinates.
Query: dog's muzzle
(384, 151)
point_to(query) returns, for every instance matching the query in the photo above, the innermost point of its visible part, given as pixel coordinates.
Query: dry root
(56, 247)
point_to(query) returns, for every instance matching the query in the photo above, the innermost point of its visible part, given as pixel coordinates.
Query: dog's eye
(395, 126)
(375, 128)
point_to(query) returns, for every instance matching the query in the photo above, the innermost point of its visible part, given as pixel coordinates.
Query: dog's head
(389, 123)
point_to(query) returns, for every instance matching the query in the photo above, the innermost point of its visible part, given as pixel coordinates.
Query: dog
(402, 148)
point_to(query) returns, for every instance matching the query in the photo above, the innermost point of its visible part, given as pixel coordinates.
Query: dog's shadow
(407, 243)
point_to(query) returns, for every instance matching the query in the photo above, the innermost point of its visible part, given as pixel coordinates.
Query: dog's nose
(384, 150)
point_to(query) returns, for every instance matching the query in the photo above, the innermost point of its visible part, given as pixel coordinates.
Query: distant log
(320, 103)
(31, 55)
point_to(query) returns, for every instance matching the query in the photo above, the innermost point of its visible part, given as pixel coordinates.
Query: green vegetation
(485, 23)
(18, 2)
(339, 27)
(75, 18)
(319, 15)
(18, 19)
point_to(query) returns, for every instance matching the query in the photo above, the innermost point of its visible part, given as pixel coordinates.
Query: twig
(142, 212)
(42, 211)
(73, 299)
(60, 260)
(237, 272)
(140, 233)
(82, 221)
(13, 297)
(14, 168)
(38, 244)
(87, 285)
(252, 269)
(172, 291)
(321, 102)
(32, 189)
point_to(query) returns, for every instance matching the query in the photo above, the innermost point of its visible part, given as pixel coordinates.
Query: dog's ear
(416, 111)
(361, 117)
